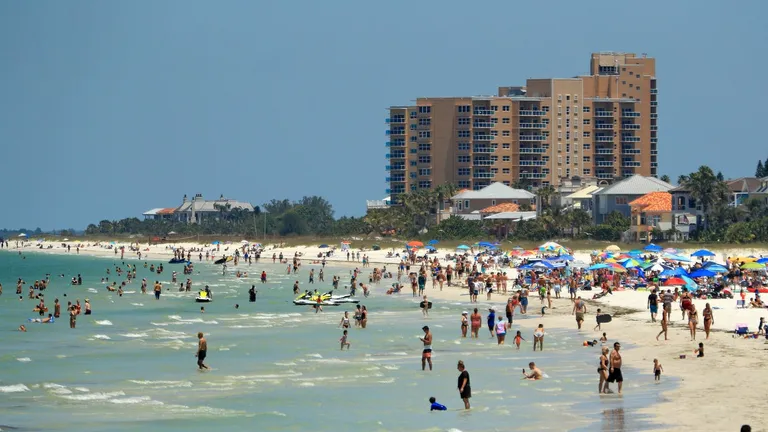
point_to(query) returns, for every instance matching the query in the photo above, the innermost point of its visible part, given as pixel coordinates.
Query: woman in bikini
(602, 370)
(709, 319)
(693, 320)
(464, 324)
(538, 338)
(477, 321)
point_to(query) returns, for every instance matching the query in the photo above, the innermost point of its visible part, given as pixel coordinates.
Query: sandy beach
(717, 392)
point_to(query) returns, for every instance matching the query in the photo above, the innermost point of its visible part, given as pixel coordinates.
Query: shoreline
(714, 385)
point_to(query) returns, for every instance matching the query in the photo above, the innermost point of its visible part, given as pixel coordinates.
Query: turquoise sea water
(276, 366)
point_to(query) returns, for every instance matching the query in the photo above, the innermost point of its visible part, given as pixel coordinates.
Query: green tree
(760, 171)
(665, 178)
(707, 190)
(293, 223)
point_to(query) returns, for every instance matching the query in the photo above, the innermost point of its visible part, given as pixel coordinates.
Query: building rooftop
(584, 193)
(635, 185)
(513, 216)
(654, 202)
(495, 191)
(500, 208)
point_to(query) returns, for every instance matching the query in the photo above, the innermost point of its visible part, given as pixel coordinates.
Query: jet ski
(313, 297)
(306, 302)
(347, 298)
(223, 260)
(202, 297)
(177, 261)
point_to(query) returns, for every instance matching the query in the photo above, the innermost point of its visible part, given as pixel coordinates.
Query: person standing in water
(426, 354)
(202, 350)
(465, 390)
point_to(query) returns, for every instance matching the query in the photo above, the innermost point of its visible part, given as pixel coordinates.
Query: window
(425, 159)
(585, 109)
(413, 163)
(425, 171)
(567, 135)
(463, 108)
(505, 159)
(425, 134)
(505, 145)
(654, 220)
(505, 133)
(621, 200)
(425, 109)
(587, 171)
(493, 202)
(463, 120)
(559, 135)
(505, 170)
(567, 110)
(463, 184)
(413, 114)
(494, 108)
(587, 146)
(585, 159)
(413, 138)
(463, 134)
(505, 108)
(425, 184)
(413, 126)
(412, 151)
(464, 172)
(505, 120)
(586, 121)
(505, 183)
(586, 134)
(425, 121)
(624, 83)
(464, 159)
(425, 147)
(466, 202)
(463, 146)
(567, 97)
(494, 133)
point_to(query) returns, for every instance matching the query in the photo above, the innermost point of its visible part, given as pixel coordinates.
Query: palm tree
(706, 189)
(545, 194)
(665, 178)
(442, 194)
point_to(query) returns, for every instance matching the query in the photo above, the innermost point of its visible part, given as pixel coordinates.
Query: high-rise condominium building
(602, 125)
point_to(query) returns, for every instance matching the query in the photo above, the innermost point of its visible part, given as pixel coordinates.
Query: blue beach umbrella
(598, 266)
(215, 242)
(485, 244)
(677, 271)
(463, 247)
(430, 247)
(433, 242)
(762, 261)
(635, 252)
(323, 246)
(702, 273)
(703, 253)
(653, 248)
(717, 268)
(689, 283)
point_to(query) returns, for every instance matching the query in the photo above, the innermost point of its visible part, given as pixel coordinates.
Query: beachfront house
(472, 201)
(651, 212)
(582, 198)
(617, 196)
(378, 204)
(742, 189)
(686, 213)
(198, 209)
(159, 213)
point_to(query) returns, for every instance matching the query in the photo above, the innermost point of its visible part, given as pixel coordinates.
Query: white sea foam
(134, 335)
(15, 388)
(104, 322)
(92, 290)
(102, 337)
(315, 355)
(307, 384)
(24, 359)
(135, 400)
(93, 396)
(137, 304)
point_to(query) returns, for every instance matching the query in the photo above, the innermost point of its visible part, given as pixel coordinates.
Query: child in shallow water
(436, 406)
(518, 338)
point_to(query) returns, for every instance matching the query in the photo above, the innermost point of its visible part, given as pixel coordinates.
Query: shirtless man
(202, 349)
(426, 355)
(535, 374)
(579, 309)
(615, 370)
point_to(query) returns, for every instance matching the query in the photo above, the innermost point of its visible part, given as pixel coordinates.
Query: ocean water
(277, 366)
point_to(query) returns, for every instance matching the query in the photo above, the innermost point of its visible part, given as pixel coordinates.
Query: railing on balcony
(483, 162)
(396, 120)
(482, 175)
(533, 137)
(524, 175)
(604, 176)
(600, 113)
(628, 139)
(628, 164)
(630, 114)
(654, 91)
(482, 125)
(531, 113)
(395, 143)
(604, 138)
(400, 179)
(630, 126)
(483, 149)
(400, 155)
(482, 112)
(483, 137)
(604, 126)
(604, 151)
(532, 163)
(532, 150)
(395, 167)
(532, 125)
(628, 151)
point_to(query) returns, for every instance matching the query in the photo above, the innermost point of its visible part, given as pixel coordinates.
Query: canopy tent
(323, 246)
(762, 261)
(598, 266)
(703, 253)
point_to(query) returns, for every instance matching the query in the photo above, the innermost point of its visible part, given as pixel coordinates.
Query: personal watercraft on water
(305, 302)
(203, 297)
(178, 261)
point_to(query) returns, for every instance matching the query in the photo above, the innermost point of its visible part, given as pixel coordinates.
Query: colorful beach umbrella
(215, 242)
(630, 263)
(463, 247)
(415, 243)
(598, 266)
(346, 242)
(652, 248)
(635, 252)
(433, 242)
(674, 281)
(702, 272)
(753, 266)
(703, 253)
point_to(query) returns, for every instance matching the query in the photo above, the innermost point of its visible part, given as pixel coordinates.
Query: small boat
(177, 261)
(202, 297)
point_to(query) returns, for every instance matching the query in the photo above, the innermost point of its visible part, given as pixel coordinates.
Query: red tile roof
(166, 211)
(503, 207)
(654, 202)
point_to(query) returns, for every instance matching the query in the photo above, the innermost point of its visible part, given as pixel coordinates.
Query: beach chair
(741, 329)
(741, 304)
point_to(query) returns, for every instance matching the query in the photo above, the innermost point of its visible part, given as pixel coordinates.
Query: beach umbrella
(635, 252)
(244, 241)
(526, 267)
(652, 248)
(172, 233)
(656, 267)
(485, 244)
(215, 242)
(703, 253)
(433, 242)
(714, 267)
(702, 273)
(762, 261)
(613, 248)
(677, 271)
(22, 235)
(323, 246)
(112, 242)
(550, 246)
(463, 247)
(674, 257)
(689, 283)
(598, 266)
(346, 242)
(753, 266)
(616, 267)
(430, 247)
(674, 281)
(563, 258)
(671, 250)
(518, 248)
(629, 263)
(543, 264)
(415, 243)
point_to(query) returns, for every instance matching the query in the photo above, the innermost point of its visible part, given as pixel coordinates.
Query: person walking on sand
(579, 309)
(657, 370)
(653, 304)
(693, 320)
(602, 370)
(426, 354)
(663, 327)
(202, 350)
(465, 390)
(614, 374)
(709, 319)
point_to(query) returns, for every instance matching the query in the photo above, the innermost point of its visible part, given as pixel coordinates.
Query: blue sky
(111, 108)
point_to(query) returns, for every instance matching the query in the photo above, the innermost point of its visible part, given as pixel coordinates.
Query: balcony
(395, 143)
(532, 163)
(630, 126)
(654, 152)
(603, 114)
(533, 138)
(482, 125)
(524, 175)
(629, 113)
(396, 155)
(605, 164)
(483, 137)
(395, 167)
(482, 112)
(630, 164)
(396, 132)
(483, 149)
(532, 125)
(396, 120)
(532, 113)
(483, 162)
(604, 176)
(628, 151)
(604, 151)
(654, 103)
(532, 150)
(654, 91)
(654, 164)
(608, 139)
(654, 116)
(482, 175)
(630, 139)
(399, 179)
(607, 126)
